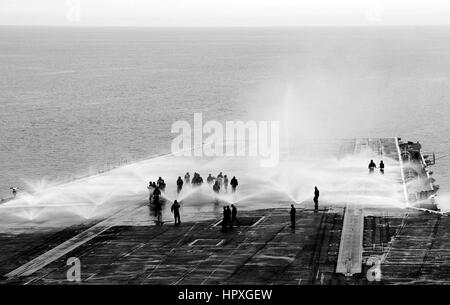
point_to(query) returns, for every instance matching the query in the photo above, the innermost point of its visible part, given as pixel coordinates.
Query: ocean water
(76, 101)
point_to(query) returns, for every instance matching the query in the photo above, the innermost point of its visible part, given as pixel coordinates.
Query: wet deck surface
(415, 244)
(412, 246)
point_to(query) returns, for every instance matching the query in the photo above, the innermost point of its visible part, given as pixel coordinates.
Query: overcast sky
(224, 12)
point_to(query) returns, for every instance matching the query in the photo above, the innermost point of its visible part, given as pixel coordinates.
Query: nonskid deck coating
(267, 253)
(415, 244)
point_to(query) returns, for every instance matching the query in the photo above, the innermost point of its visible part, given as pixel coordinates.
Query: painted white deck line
(191, 244)
(69, 245)
(351, 245)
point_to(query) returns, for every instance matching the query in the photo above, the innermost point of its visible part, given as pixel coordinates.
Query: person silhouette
(316, 198)
(225, 183)
(234, 183)
(382, 167)
(372, 166)
(179, 185)
(292, 213)
(234, 216)
(224, 220)
(228, 218)
(210, 179)
(216, 187)
(175, 209)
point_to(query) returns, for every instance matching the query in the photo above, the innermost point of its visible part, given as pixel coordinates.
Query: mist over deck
(363, 220)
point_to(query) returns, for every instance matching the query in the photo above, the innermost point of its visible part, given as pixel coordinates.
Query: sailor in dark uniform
(382, 167)
(292, 213)
(372, 166)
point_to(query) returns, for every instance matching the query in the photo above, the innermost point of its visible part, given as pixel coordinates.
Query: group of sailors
(155, 189)
(197, 180)
(229, 218)
(372, 167)
(160, 184)
(154, 197)
(217, 183)
(222, 182)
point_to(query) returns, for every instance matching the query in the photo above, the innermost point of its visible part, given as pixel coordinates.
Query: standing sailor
(316, 198)
(382, 167)
(228, 218)
(292, 213)
(158, 206)
(234, 216)
(176, 212)
(187, 178)
(372, 166)
(216, 187)
(179, 185)
(224, 220)
(234, 183)
(210, 179)
(225, 183)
